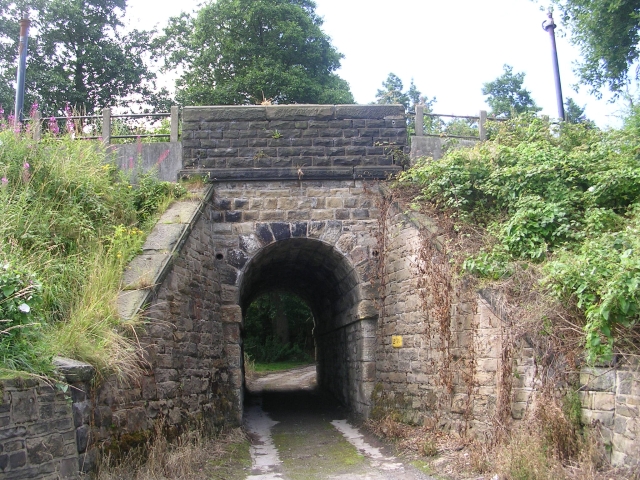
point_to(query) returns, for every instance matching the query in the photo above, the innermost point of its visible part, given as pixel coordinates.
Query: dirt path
(298, 433)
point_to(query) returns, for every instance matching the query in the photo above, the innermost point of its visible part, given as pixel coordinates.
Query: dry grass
(191, 456)
(537, 449)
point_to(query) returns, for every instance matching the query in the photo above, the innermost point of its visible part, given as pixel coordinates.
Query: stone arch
(336, 288)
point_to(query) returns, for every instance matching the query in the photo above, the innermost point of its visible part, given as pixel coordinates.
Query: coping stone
(300, 112)
(179, 212)
(74, 371)
(163, 237)
(129, 302)
(145, 268)
(369, 112)
(224, 113)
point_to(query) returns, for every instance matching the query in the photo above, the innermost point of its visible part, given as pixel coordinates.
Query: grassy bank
(70, 223)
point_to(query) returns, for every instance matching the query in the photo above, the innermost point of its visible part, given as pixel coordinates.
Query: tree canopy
(506, 96)
(574, 113)
(608, 34)
(77, 54)
(248, 51)
(392, 93)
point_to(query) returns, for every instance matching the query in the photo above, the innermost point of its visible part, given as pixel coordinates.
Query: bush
(566, 197)
(21, 319)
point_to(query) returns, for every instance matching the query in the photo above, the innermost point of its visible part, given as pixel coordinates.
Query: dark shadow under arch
(327, 281)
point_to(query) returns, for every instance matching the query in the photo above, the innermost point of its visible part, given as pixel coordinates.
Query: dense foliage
(78, 55)
(70, 222)
(262, 335)
(608, 35)
(236, 52)
(567, 198)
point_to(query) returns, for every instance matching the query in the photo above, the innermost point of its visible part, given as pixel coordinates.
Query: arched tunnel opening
(327, 282)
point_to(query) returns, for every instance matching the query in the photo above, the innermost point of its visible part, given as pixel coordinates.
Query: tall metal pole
(22, 68)
(549, 25)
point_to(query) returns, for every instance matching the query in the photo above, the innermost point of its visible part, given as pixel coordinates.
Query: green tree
(506, 95)
(391, 93)
(573, 112)
(268, 318)
(236, 52)
(77, 54)
(608, 34)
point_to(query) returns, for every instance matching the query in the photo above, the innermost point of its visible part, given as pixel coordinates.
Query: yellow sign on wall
(396, 341)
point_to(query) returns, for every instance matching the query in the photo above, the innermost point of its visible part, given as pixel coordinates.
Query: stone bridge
(292, 211)
(295, 201)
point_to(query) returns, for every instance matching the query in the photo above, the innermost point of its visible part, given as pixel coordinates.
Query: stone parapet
(292, 137)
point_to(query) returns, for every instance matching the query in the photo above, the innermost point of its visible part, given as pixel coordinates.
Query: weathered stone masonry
(293, 207)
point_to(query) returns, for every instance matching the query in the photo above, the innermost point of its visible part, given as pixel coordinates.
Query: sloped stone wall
(193, 374)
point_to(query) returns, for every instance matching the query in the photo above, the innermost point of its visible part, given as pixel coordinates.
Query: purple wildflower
(4, 181)
(26, 166)
(53, 126)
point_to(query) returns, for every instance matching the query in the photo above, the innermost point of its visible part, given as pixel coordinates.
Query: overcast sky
(449, 48)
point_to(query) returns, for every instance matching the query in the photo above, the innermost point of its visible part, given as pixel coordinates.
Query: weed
(72, 221)
(428, 448)
(192, 455)
(567, 200)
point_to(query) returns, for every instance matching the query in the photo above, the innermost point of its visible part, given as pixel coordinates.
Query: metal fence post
(36, 125)
(174, 124)
(482, 127)
(419, 120)
(106, 126)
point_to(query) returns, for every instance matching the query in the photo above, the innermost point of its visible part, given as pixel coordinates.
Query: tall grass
(72, 219)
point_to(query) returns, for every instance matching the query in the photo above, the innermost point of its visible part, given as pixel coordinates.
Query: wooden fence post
(36, 125)
(106, 126)
(419, 120)
(482, 127)
(174, 124)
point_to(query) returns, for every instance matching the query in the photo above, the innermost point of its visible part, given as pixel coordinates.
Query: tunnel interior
(329, 284)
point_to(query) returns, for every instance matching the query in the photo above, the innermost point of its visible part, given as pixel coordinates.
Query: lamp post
(22, 67)
(549, 25)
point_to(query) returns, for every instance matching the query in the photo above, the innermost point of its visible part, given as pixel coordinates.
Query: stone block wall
(193, 373)
(291, 136)
(315, 239)
(446, 374)
(611, 400)
(37, 432)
